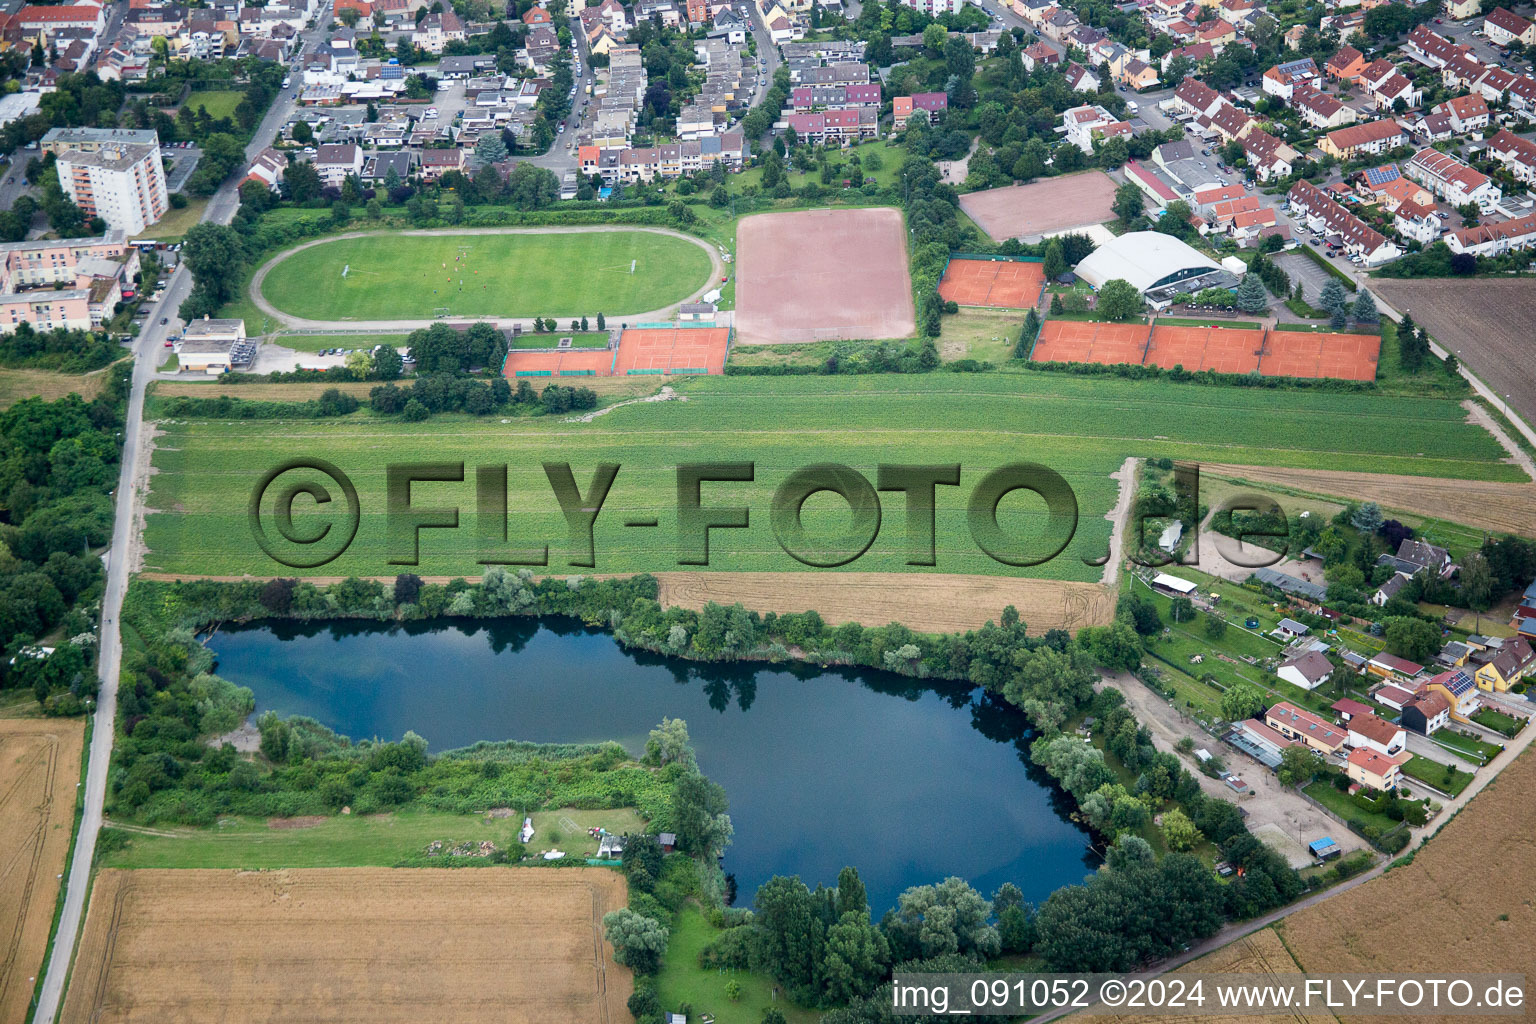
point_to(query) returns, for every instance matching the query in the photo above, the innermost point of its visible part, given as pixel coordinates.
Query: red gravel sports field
(1002, 284)
(1222, 349)
(644, 350)
(1042, 207)
(818, 275)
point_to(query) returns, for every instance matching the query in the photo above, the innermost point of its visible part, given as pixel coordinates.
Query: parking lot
(1301, 268)
(182, 161)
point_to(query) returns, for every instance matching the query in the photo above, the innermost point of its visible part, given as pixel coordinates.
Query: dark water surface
(910, 783)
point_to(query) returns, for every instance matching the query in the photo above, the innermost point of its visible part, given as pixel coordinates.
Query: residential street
(148, 352)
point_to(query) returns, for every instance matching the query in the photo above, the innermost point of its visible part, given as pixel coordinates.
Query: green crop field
(1082, 428)
(562, 274)
(219, 102)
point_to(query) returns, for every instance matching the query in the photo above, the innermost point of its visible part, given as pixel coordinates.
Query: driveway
(1276, 815)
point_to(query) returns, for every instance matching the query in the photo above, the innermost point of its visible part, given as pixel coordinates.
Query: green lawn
(1475, 750)
(1498, 721)
(682, 980)
(380, 840)
(559, 274)
(1083, 428)
(219, 102)
(321, 342)
(1442, 776)
(176, 222)
(1185, 321)
(551, 339)
(1345, 807)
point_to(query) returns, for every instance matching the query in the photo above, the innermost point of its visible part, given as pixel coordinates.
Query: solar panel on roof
(1382, 175)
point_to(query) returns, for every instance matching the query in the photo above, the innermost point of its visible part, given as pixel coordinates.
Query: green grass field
(321, 342)
(566, 274)
(176, 222)
(551, 339)
(379, 840)
(682, 980)
(1443, 777)
(1082, 428)
(218, 102)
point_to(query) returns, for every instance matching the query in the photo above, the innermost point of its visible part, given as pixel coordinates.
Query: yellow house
(1136, 74)
(1461, 10)
(1514, 661)
(1374, 770)
(1459, 690)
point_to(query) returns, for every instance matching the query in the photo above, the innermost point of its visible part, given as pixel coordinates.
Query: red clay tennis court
(1322, 354)
(672, 350)
(570, 363)
(1081, 341)
(1003, 284)
(1222, 349)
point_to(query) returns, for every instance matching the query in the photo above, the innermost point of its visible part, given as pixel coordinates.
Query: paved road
(148, 351)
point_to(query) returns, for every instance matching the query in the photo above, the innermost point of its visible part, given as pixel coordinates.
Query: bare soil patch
(39, 766)
(1448, 923)
(821, 275)
(1487, 322)
(1041, 207)
(1499, 507)
(520, 945)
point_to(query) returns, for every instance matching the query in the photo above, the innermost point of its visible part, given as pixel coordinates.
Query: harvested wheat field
(264, 392)
(518, 945)
(944, 603)
(1486, 321)
(1259, 953)
(1450, 923)
(39, 766)
(1499, 507)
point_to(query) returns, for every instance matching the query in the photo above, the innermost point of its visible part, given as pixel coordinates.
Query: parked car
(164, 320)
(169, 343)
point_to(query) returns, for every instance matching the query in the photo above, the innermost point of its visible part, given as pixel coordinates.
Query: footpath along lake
(909, 782)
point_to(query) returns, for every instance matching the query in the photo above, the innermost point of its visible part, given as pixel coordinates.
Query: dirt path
(1215, 562)
(292, 322)
(666, 394)
(144, 469)
(1517, 455)
(1498, 507)
(1119, 518)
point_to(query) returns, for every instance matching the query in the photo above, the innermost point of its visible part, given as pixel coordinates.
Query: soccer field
(415, 276)
(1083, 428)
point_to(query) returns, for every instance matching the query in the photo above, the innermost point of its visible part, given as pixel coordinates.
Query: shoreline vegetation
(166, 774)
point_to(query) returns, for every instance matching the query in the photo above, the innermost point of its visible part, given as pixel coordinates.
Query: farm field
(1041, 207)
(409, 275)
(1485, 322)
(1260, 953)
(1502, 505)
(350, 944)
(1081, 428)
(1451, 924)
(373, 840)
(39, 766)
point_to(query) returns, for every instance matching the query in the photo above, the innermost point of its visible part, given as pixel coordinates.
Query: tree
(1119, 300)
(1055, 262)
(302, 133)
(602, 324)
(1412, 638)
(931, 920)
(1215, 626)
(1299, 763)
(1251, 296)
(733, 990)
(215, 254)
(490, 149)
(1179, 833)
(387, 362)
(348, 16)
(1129, 202)
(302, 182)
(668, 744)
(1241, 701)
(1367, 517)
(698, 811)
(639, 942)
(1332, 299)
(1477, 582)
(1181, 609)
(1365, 309)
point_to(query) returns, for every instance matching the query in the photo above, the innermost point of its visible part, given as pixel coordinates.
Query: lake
(909, 782)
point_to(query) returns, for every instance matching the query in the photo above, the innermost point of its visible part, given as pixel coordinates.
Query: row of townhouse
(1495, 239)
(628, 165)
(1313, 207)
(1454, 181)
(1517, 154)
(1368, 139)
(844, 127)
(1460, 69)
(72, 283)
